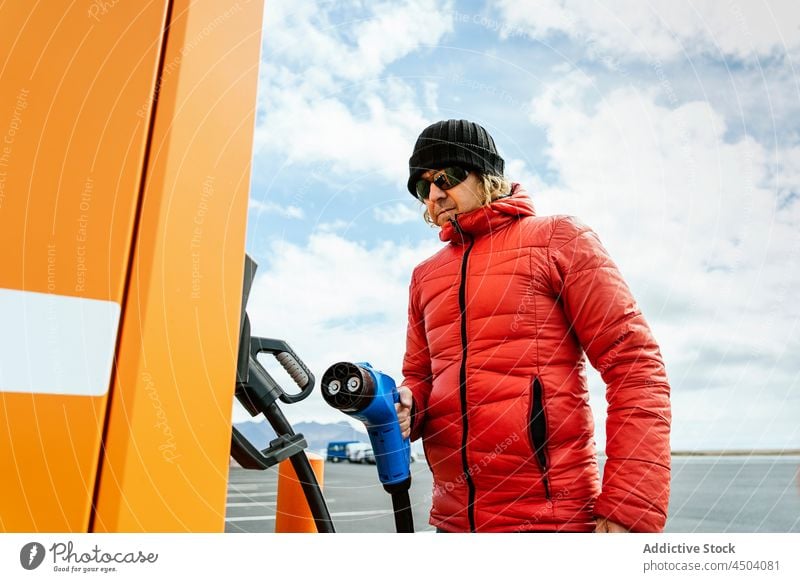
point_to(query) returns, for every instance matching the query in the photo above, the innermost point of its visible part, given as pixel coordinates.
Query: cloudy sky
(669, 127)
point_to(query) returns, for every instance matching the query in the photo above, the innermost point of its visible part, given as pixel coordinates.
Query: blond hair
(490, 188)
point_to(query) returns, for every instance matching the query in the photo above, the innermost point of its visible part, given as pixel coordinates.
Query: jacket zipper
(462, 304)
(538, 432)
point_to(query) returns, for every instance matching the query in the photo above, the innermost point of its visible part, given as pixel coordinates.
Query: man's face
(444, 204)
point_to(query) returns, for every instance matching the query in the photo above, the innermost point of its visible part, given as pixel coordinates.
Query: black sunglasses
(444, 180)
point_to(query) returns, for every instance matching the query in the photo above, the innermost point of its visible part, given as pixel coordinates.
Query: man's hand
(603, 525)
(404, 410)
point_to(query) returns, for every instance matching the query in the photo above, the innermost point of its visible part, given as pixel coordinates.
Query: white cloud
(695, 224)
(660, 30)
(337, 225)
(334, 300)
(517, 170)
(398, 213)
(287, 211)
(308, 130)
(324, 97)
(432, 97)
(361, 42)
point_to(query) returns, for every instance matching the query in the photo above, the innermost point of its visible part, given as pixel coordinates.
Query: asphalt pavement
(709, 494)
(354, 495)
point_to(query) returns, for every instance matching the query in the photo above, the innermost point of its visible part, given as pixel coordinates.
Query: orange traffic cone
(293, 514)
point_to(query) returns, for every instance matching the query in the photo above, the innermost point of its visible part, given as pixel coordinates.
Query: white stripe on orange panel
(55, 344)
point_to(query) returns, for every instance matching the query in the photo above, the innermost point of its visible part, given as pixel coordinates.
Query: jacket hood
(491, 218)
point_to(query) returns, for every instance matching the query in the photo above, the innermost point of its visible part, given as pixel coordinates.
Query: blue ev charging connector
(360, 391)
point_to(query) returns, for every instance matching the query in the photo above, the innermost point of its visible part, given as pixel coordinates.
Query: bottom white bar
(401, 557)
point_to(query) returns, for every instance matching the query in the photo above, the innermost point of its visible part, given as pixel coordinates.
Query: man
(494, 373)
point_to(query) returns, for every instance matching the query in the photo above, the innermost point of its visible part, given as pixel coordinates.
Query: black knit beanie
(455, 142)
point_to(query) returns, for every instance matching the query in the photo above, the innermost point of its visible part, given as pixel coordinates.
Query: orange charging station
(126, 133)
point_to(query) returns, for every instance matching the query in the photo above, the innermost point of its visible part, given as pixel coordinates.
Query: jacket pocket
(537, 430)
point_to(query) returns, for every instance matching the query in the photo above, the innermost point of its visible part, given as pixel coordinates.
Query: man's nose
(436, 193)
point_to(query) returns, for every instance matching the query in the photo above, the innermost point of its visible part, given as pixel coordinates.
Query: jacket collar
(489, 219)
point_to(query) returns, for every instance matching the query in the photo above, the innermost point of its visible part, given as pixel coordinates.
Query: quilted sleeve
(417, 363)
(621, 346)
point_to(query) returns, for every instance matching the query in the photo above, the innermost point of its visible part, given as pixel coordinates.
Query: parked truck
(358, 452)
(337, 451)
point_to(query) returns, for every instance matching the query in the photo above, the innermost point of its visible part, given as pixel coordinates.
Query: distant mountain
(317, 435)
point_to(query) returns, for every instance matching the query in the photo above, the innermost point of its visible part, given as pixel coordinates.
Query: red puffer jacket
(498, 323)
